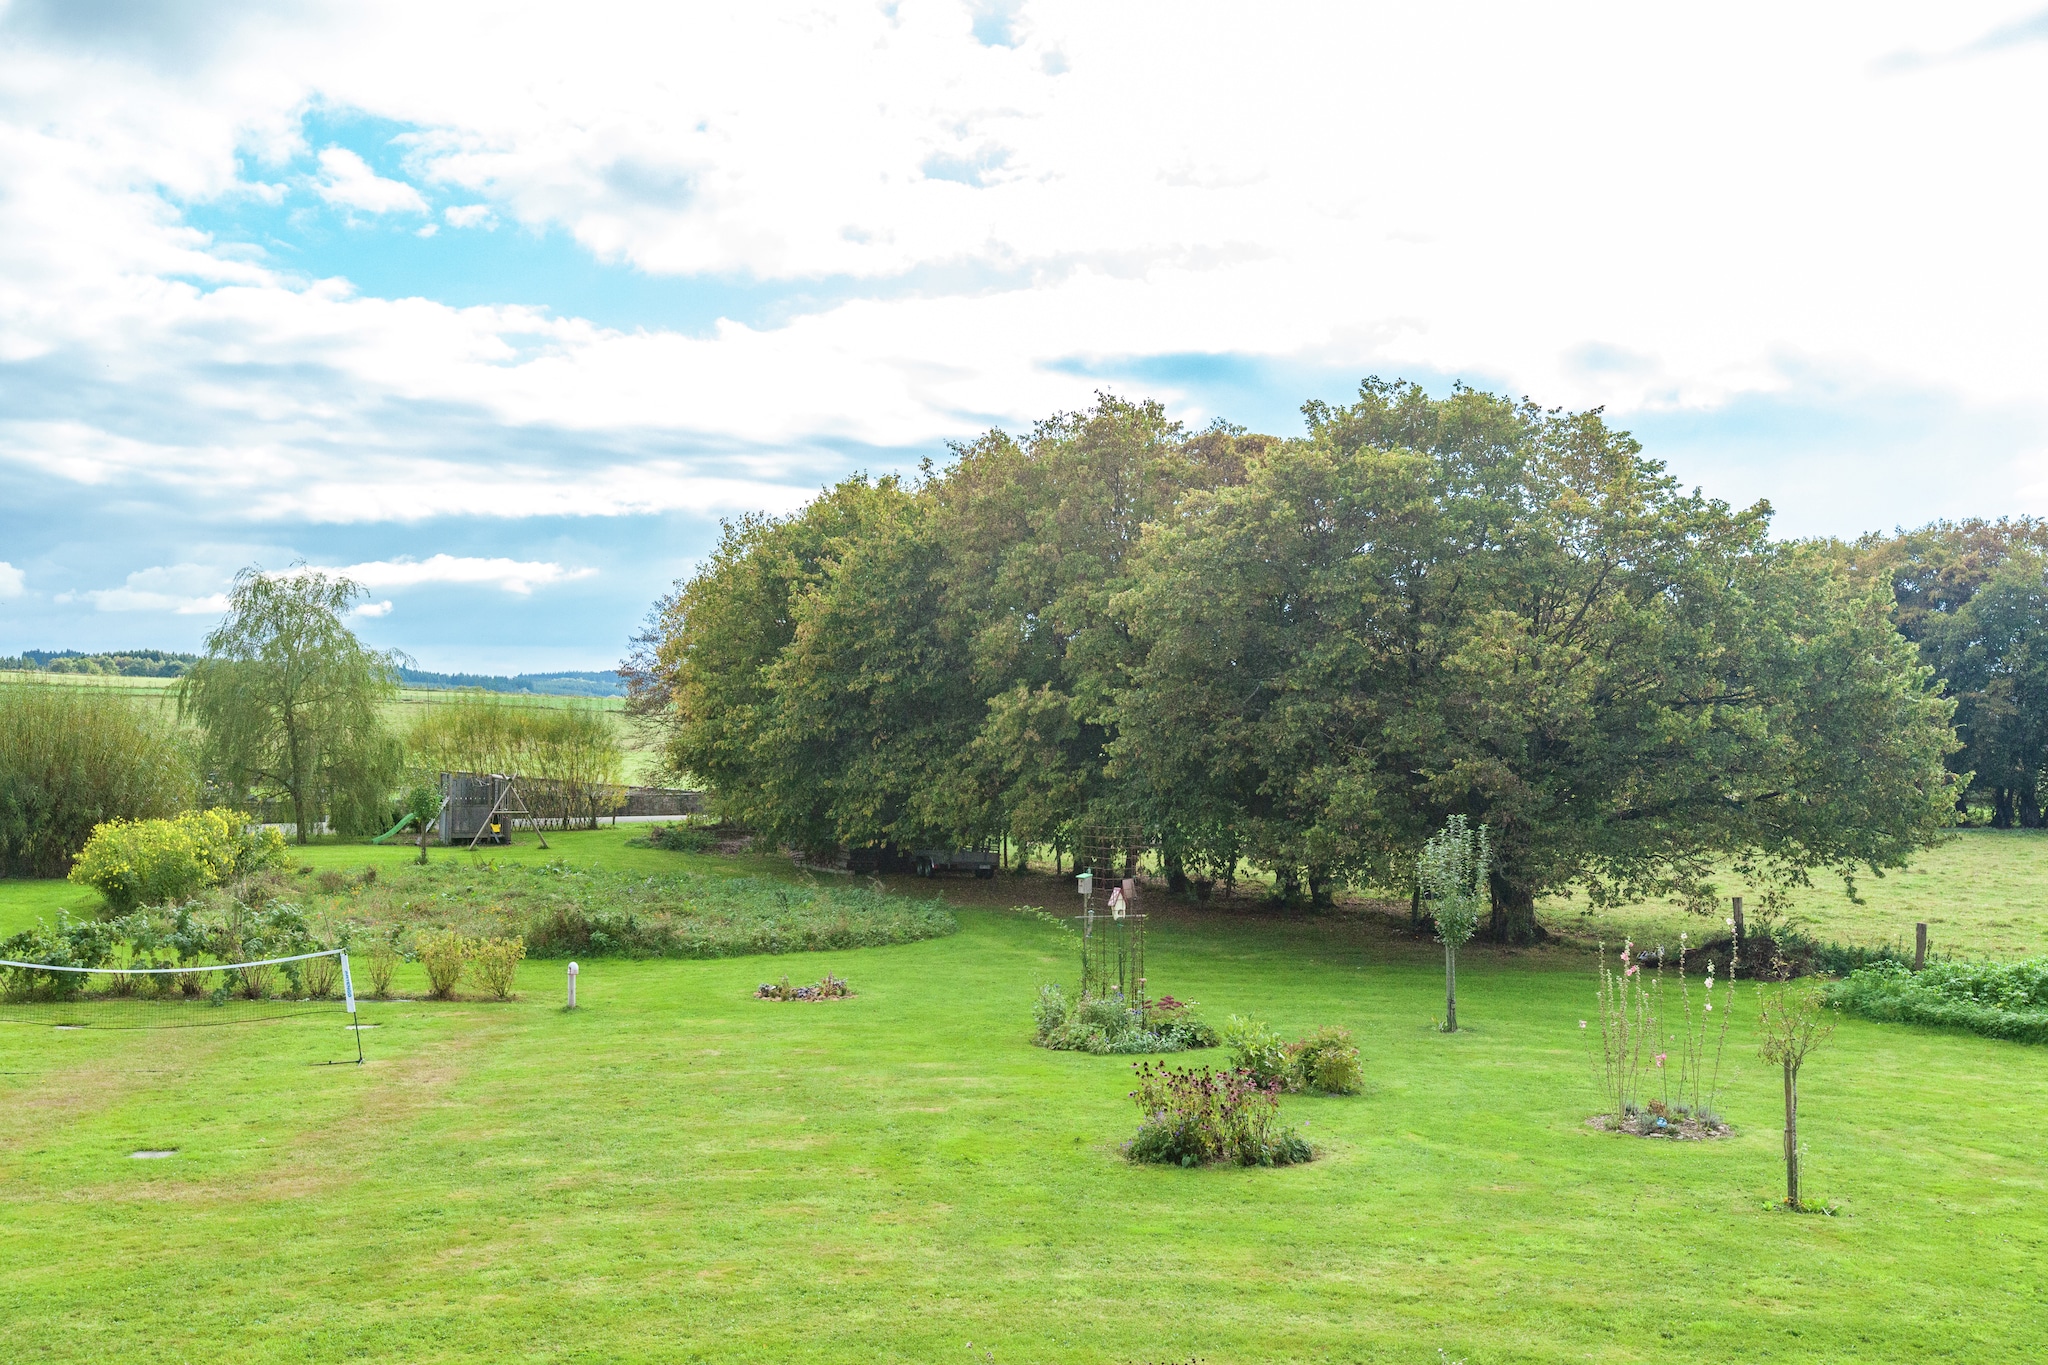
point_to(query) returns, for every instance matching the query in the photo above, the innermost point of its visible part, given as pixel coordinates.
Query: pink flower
(1660, 1059)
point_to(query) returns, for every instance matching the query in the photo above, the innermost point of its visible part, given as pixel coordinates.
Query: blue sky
(502, 310)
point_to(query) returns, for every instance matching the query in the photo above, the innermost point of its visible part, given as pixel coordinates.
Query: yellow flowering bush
(444, 953)
(497, 964)
(159, 862)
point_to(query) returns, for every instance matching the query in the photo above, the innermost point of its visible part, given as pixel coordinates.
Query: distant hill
(159, 663)
(124, 663)
(593, 683)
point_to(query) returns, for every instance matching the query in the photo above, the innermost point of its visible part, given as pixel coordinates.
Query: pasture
(679, 1172)
(399, 715)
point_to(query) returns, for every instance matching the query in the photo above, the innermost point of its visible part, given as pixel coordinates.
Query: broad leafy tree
(1306, 656)
(1973, 596)
(1475, 607)
(288, 700)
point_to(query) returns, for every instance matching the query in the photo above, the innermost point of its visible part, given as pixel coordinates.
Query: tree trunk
(1320, 891)
(2001, 808)
(1513, 920)
(2030, 807)
(1792, 1136)
(1415, 906)
(291, 749)
(1450, 989)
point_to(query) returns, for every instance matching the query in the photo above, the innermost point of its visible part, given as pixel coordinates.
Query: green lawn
(677, 1172)
(1983, 894)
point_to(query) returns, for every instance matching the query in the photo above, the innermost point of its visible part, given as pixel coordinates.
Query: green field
(641, 762)
(1982, 894)
(678, 1172)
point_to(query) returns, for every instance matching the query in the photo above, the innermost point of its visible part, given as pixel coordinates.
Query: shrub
(1325, 1063)
(1257, 1050)
(70, 943)
(156, 862)
(444, 953)
(497, 964)
(322, 975)
(384, 959)
(1999, 1000)
(1192, 1117)
(1049, 1015)
(72, 758)
(681, 837)
(1169, 1018)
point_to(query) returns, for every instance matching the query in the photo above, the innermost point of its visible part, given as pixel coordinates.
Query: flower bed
(831, 988)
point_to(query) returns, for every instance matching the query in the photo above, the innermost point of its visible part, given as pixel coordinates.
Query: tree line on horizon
(1303, 655)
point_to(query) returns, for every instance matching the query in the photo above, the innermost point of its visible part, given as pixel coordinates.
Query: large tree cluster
(1973, 597)
(1303, 655)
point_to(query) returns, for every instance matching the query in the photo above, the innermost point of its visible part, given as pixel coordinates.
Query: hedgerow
(1999, 1000)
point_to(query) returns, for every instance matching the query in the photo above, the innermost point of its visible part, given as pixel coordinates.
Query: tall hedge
(74, 757)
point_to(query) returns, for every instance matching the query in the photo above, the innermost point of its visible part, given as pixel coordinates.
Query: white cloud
(179, 589)
(13, 582)
(202, 589)
(1516, 195)
(347, 180)
(520, 577)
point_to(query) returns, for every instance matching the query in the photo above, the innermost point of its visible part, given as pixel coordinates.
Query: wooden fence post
(1919, 946)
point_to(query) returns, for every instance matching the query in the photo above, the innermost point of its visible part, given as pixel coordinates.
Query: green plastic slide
(404, 821)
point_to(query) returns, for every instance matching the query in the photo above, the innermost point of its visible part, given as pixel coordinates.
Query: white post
(348, 985)
(573, 969)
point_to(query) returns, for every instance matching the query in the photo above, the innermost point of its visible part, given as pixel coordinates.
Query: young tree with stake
(1792, 1023)
(1452, 875)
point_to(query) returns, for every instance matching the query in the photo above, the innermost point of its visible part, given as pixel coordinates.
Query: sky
(501, 308)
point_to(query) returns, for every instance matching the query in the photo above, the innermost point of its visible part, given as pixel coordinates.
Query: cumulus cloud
(520, 577)
(974, 210)
(13, 582)
(194, 589)
(347, 180)
(178, 589)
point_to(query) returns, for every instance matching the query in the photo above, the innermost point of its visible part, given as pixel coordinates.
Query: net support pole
(348, 993)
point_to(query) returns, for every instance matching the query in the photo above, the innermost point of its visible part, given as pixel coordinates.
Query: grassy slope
(680, 1173)
(21, 902)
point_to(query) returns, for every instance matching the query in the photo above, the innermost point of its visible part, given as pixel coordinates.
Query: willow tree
(1471, 606)
(287, 698)
(73, 757)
